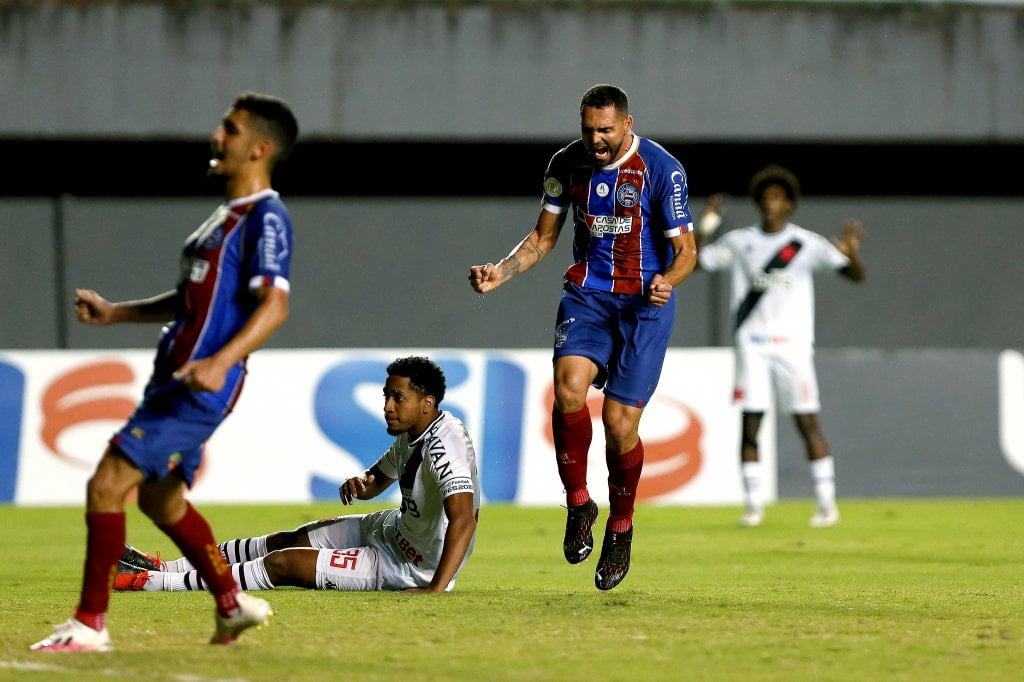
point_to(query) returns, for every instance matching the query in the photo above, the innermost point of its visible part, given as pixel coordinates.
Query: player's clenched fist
(484, 278)
(660, 291)
(92, 308)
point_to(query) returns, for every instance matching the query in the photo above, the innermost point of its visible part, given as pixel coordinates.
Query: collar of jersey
(785, 229)
(629, 154)
(252, 198)
(429, 429)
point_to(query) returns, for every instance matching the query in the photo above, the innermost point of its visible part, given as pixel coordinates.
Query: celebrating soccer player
(632, 245)
(773, 266)
(232, 296)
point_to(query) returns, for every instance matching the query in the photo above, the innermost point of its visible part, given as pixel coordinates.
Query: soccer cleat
(824, 517)
(135, 560)
(614, 562)
(252, 612)
(754, 516)
(127, 581)
(74, 635)
(579, 537)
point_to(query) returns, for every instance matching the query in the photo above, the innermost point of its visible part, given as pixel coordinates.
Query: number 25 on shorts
(344, 558)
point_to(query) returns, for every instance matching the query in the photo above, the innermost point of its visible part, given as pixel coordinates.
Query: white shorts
(786, 369)
(354, 554)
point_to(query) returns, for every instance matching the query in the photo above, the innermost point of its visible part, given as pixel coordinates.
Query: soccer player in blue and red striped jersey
(632, 245)
(231, 297)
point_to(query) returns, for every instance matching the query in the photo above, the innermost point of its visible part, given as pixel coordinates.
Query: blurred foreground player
(418, 548)
(772, 266)
(232, 296)
(632, 245)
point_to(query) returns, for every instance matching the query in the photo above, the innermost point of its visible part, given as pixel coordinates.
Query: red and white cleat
(74, 635)
(252, 612)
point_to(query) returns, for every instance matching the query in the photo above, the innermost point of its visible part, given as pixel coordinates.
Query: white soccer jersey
(772, 280)
(441, 462)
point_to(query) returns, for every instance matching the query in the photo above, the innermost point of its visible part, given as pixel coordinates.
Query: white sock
(174, 582)
(244, 549)
(823, 471)
(252, 575)
(752, 485)
(178, 565)
(234, 552)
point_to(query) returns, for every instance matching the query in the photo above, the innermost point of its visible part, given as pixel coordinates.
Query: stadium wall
(942, 272)
(911, 70)
(901, 424)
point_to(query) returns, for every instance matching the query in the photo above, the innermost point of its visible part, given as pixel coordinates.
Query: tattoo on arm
(509, 268)
(526, 254)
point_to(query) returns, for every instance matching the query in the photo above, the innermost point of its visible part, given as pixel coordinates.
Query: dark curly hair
(423, 374)
(774, 175)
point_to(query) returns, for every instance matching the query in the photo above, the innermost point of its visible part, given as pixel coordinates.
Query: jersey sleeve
(827, 256)
(271, 255)
(389, 462)
(670, 196)
(556, 184)
(450, 463)
(716, 255)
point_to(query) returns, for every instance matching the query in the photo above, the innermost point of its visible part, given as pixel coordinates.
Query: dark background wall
(427, 126)
(372, 271)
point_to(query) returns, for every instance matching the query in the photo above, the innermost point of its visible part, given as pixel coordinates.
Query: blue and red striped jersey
(244, 246)
(623, 214)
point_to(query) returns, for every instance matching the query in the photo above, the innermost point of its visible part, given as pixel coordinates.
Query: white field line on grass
(36, 666)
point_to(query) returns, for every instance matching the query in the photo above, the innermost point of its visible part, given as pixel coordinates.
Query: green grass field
(902, 590)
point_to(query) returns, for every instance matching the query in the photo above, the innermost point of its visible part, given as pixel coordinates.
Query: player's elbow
(854, 274)
(464, 524)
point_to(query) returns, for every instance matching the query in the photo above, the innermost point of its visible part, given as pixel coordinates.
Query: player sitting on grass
(418, 548)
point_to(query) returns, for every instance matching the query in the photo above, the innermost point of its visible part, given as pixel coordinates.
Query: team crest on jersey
(215, 238)
(601, 189)
(628, 195)
(552, 187)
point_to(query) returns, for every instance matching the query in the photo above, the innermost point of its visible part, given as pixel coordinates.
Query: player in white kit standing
(419, 547)
(772, 268)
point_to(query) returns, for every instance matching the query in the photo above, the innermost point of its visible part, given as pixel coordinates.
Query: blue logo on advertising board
(12, 391)
(345, 422)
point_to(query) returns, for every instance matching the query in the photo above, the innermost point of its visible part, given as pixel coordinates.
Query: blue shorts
(623, 334)
(166, 433)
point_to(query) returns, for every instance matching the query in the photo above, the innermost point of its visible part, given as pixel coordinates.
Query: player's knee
(287, 538)
(102, 493)
(750, 426)
(277, 565)
(569, 398)
(149, 507)
(286, 567)
(621, 436)
(807, 424)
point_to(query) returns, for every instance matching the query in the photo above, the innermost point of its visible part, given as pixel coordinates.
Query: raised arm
(849, 244)
(91, 308)
(458, 507)
(711, 217)
(525, 255)
(208, 374)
